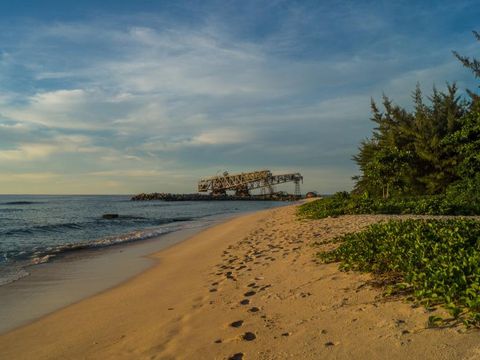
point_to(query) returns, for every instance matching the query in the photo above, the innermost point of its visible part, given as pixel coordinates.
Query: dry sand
(248, 287)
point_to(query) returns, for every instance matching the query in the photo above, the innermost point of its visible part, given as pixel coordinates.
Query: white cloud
(27, 152)
(60, 108)
(77, 144)
(15, 126)
(223, 137)
(130, 173)
(27, 177)
(134, 101)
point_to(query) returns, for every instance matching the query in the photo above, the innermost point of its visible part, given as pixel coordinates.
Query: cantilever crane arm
(249, 181)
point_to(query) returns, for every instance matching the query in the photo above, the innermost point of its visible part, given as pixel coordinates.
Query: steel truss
(243, 183)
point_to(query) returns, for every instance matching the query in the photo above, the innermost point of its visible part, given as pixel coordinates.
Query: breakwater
(200, 197)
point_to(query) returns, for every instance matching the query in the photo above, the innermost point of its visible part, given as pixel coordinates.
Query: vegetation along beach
(314, 232)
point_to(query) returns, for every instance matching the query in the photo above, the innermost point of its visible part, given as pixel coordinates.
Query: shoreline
(249, 287)
(78, 275)
(26, 341)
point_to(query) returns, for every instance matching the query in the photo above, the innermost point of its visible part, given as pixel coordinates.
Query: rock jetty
(200, 197)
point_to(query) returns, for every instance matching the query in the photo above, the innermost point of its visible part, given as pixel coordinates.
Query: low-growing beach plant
(436, 262)
(344, 203)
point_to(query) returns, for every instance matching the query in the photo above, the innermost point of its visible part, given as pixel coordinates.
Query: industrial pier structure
(216, 187)
(243, 183)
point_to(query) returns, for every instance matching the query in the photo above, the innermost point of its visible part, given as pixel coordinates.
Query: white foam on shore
(59, 283)
(16, 270)
(13, 276)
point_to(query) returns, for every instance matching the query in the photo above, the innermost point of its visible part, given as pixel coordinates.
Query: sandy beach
(249, 288)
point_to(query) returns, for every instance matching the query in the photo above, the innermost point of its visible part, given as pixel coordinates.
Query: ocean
(35, 229)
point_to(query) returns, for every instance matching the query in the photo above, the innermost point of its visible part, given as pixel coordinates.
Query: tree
(426, 150)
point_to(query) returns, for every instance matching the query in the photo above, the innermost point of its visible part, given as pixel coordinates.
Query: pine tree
(425, 151)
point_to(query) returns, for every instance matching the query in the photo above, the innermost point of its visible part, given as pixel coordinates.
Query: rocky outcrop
(110, 216)
(200, 197)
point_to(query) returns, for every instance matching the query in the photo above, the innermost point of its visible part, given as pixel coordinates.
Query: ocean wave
(42, 259)
(138, 220)
(65, 227)
(12, 276)
(15, 264)
(10, 210)
(43, 256)
(114, 216)
(43, 228)
(180, 219)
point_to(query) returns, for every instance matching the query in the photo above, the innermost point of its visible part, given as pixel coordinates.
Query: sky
(122, 97)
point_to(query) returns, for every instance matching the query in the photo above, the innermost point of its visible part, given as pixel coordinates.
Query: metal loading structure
(243, 183)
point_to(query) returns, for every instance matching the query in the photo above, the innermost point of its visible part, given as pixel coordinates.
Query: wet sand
(76, 276)
(245, 289)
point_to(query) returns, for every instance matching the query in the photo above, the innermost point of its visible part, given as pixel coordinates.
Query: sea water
(35, 229)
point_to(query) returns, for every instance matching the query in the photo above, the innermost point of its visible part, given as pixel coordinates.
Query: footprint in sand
(245, 302)
(249, 336)
(237, 356)
(237, 324)
(229, 275)
(249, 293)
(254, 309)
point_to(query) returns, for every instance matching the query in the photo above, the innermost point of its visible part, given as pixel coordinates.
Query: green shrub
(436, 261)
(345, 204)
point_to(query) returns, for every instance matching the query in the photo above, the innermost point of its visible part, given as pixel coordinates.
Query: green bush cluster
(344, 203)
(436, 261)
(424, 148)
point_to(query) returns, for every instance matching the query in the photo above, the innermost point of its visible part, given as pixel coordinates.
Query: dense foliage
(458, 201)
(425, 150)
(423, 161)
(436, 261)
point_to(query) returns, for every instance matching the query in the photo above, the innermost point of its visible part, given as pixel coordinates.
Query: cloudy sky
(132, 96)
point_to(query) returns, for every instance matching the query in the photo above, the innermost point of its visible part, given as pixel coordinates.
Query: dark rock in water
(110, 216)
(19, 203)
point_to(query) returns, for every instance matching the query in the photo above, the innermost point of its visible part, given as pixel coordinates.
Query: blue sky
(139, 96)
